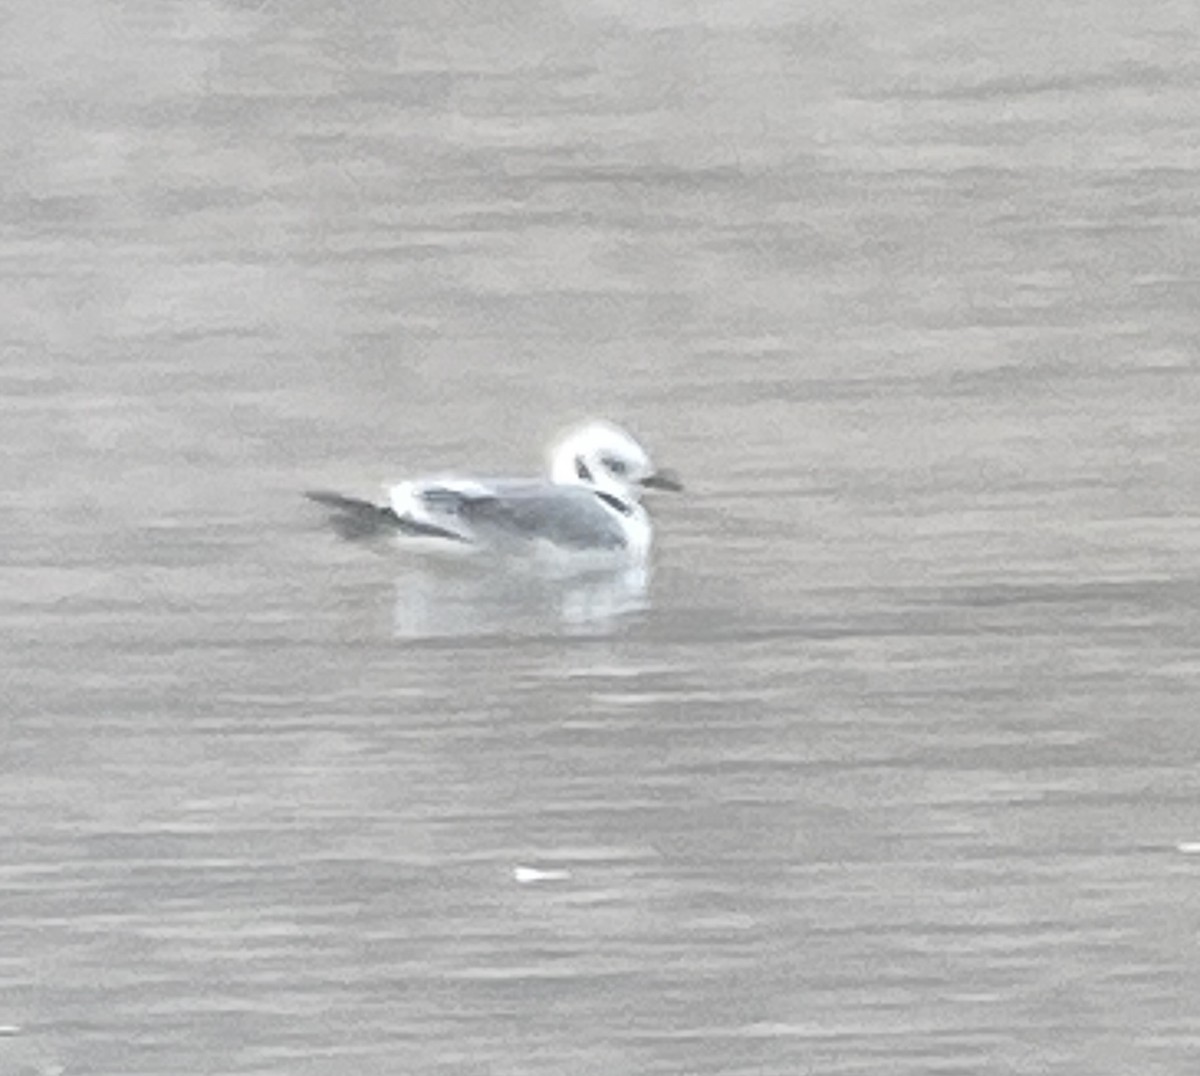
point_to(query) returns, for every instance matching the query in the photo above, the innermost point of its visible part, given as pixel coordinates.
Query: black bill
(663, 480)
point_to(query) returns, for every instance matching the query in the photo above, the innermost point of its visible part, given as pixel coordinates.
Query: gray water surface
(892, 769)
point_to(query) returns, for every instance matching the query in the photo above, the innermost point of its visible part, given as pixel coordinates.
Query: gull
(587, 511)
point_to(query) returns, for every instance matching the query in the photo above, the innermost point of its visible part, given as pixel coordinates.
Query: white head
(605, 458)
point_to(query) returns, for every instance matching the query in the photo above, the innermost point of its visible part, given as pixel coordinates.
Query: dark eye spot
(581, 469)
(616, 466)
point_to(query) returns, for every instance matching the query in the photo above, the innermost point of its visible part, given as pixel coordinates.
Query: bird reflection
(447, 604)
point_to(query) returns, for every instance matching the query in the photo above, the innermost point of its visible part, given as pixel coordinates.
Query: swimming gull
(588, 509)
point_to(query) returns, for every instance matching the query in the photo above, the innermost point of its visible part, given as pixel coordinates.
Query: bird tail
(354, 519)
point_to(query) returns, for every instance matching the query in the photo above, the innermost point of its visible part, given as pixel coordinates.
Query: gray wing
(567, 516)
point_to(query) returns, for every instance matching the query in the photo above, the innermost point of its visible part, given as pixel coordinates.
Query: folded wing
(505, 513)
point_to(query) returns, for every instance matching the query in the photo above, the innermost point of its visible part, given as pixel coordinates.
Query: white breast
(638, 533)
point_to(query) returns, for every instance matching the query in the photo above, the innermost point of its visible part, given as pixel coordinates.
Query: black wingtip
(337, 501)
(354, 518)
